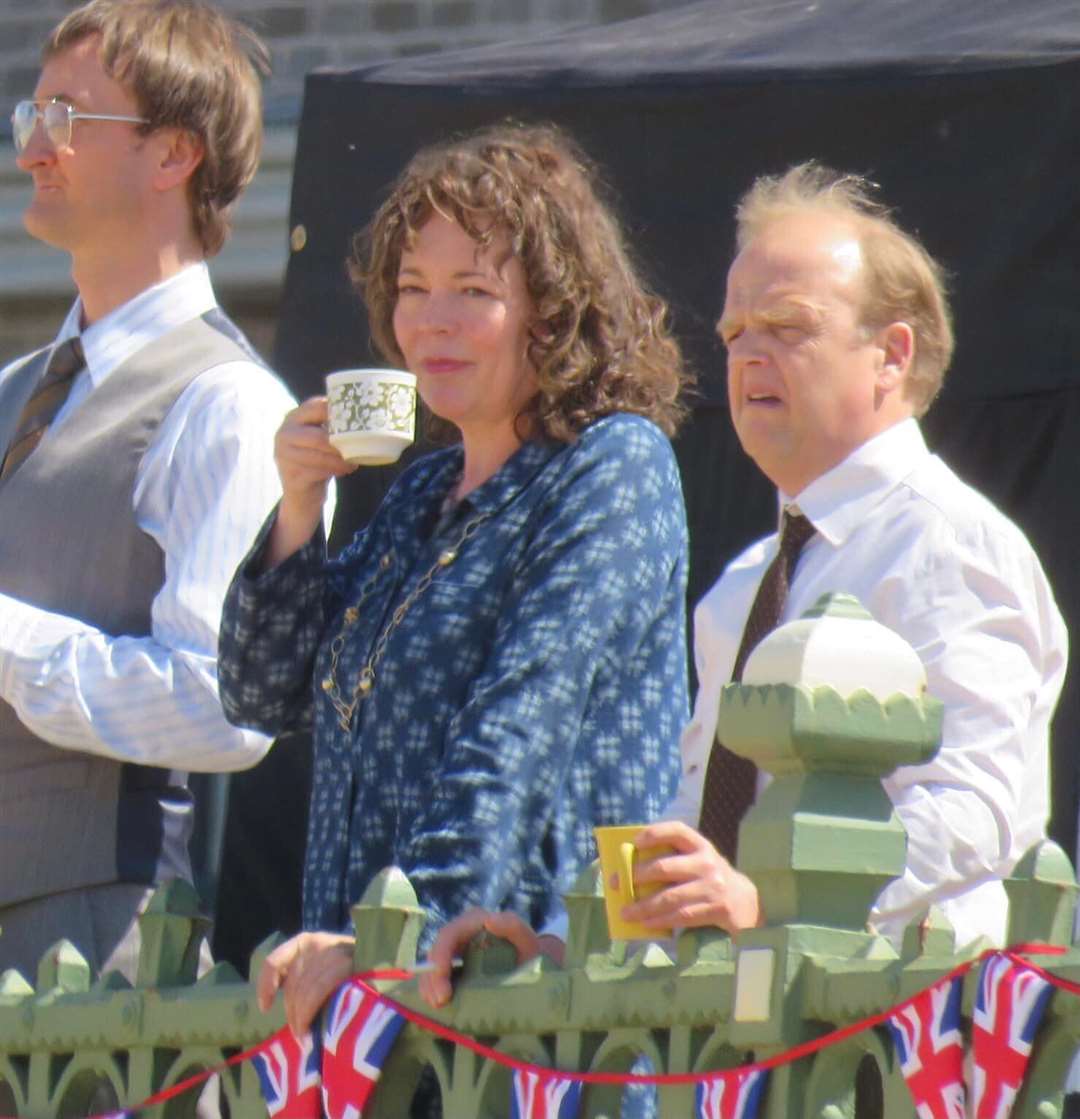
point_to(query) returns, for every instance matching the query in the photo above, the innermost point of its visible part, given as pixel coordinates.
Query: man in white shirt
(128, 497)
(838, 338)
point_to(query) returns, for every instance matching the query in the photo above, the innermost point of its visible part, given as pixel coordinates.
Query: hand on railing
(454, 937)
(308, 968)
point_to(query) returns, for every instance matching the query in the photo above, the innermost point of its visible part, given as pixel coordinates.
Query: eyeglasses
(56, 119)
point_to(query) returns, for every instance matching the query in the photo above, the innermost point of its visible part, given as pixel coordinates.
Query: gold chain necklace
(366, 680)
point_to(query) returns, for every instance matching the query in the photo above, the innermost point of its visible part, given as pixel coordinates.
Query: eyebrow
(465, 274)
(784, 309)
(789, 308)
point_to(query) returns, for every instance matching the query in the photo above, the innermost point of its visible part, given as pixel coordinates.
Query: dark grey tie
(45, 401)
(730, 780)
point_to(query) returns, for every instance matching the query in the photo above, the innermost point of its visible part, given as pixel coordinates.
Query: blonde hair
(191, 67)
(901, 281)
(601, 341)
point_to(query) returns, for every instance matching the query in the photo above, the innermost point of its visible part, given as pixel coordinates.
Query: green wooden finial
(13, 985)
(173, 929)
(588, 930)
(63, 966)
(387, 921)
(1042, 896)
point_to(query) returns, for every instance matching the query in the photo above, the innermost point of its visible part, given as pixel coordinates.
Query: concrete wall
(302, 34)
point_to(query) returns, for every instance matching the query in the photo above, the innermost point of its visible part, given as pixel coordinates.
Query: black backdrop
(967, 112)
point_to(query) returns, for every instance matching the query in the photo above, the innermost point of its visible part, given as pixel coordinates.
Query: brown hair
(601, 341)
(189, 67)
(902, 281)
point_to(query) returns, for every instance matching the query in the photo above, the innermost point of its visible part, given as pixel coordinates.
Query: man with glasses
(136, 466)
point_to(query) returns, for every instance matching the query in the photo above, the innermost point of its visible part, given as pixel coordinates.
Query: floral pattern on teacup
(372, 406)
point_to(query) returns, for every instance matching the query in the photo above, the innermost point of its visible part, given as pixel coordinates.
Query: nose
(38, 150)
(745, 349)
(439, 313)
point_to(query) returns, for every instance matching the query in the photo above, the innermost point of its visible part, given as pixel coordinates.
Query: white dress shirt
(936, 562)
(202, 490)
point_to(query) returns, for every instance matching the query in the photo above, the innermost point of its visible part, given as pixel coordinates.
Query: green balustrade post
(387, 922)
(587, 933)
(172, 930)
(1042, 896)
(822, 840)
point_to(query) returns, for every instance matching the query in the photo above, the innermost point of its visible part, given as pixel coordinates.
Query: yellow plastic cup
(618, 857)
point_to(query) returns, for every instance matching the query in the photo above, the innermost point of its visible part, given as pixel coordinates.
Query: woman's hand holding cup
(306, 461)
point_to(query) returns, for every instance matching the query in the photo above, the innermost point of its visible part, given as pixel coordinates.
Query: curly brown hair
(600, 342)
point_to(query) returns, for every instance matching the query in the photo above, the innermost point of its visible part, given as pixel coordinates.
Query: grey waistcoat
(69, 544)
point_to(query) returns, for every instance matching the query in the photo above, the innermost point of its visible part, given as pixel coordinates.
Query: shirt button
(387, 560)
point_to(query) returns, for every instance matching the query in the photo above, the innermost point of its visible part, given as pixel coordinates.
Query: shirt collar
(842, 498)
(142, 320)
(512, 477)
(426, 491)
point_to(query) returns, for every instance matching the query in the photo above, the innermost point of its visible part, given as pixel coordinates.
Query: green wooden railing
(820, 842)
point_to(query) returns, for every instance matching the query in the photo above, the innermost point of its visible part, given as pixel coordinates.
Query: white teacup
(372, 414)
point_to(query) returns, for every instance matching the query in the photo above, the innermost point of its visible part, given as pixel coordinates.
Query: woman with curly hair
(496, 663)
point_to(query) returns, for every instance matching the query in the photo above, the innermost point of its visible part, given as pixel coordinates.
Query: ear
(179, 154)
(898, 352)
(541, 330)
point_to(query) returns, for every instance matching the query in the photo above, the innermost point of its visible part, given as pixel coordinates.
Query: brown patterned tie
(730, 780)
(47, 399)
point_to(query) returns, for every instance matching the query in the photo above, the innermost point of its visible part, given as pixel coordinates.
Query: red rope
(789, 1055)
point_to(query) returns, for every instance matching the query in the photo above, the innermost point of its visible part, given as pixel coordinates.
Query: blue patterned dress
(534, 689)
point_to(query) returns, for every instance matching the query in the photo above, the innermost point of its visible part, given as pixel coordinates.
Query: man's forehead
(795, 256)
(847, 252)
(69, 73)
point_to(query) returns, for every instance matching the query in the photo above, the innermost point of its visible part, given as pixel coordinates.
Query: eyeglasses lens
(55, 118)
(23, 120)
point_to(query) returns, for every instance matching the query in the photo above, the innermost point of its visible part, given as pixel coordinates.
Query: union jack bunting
(1009, 1006)
(358, 1034)
(288, 1072)
(735, 1095)
(536, 1095)
(926, 1034)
